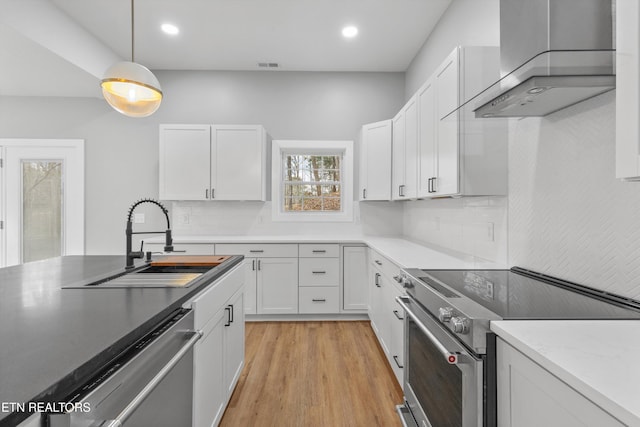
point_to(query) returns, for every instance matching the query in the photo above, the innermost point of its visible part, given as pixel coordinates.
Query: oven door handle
(146, 391)
(452, 358)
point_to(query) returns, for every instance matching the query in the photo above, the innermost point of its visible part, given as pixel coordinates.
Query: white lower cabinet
(271, 276)
(234, 342)
(250, 286)
(219, 354)
(387, 317)
(396, 330)
(277, 285)
(355, 290)
(379, 321)
(531, 396)
(208, 374)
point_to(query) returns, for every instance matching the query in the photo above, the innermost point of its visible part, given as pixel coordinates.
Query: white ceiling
(300, 35)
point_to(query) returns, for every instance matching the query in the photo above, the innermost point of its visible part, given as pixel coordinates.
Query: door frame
(78, 218)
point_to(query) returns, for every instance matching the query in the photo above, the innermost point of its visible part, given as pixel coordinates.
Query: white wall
(465, 22)
(122, 153)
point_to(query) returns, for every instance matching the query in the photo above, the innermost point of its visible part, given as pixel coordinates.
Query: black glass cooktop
(521, 294)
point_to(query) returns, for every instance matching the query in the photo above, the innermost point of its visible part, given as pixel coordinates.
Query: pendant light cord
(132, 32)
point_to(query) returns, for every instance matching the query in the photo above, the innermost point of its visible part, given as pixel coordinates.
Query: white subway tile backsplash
(475, 226)
(568, 214)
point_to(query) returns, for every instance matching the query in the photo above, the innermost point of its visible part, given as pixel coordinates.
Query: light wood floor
(313, 374)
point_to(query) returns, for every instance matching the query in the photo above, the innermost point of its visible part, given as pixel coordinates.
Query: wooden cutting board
(190, 260)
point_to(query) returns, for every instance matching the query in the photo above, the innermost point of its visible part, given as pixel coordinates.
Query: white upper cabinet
(460, 155)
(447, 81)
(219, 162)
(375, 161)
(628, 90)
(405, 152)
(238, 162)
(427, 153)
(185, 151)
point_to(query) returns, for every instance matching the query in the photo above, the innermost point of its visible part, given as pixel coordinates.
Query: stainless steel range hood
(553, 54)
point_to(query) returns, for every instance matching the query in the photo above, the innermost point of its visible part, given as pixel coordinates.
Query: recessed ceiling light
(170, 29)
(350, 31)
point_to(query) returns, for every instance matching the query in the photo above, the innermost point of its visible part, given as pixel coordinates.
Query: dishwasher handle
(151, 385)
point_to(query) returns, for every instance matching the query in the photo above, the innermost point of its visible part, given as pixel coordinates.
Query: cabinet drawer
(385, 266)
(188, 248)
(258, 250)
(318, 299)
(319, 251)
(319, 272)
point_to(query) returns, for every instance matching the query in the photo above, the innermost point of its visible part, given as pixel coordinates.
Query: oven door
(443, 380)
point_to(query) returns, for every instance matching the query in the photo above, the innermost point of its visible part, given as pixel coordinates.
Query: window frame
(281, 148)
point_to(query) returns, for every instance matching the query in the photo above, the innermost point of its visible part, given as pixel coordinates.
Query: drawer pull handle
(395, 358)
(319, 251)
(319, 300)
(378, 262)
(319, 272)
(397, 315)
(256, 251)
(228, 310)
(376, 281)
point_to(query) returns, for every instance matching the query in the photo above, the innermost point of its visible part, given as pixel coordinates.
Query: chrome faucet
(168, 245)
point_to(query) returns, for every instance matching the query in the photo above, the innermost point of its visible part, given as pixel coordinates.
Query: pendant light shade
(131, 89)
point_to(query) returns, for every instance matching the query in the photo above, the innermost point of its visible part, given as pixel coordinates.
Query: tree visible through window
(312, 183)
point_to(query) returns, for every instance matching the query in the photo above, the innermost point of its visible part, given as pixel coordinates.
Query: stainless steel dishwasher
(150, 384)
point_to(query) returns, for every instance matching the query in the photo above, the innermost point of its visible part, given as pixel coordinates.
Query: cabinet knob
(445, 314)
(460, 325)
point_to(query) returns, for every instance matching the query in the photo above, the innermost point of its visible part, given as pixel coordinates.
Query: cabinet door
(377, 312)
(355, 292)
(447, 126)
(405, 140)
(396, 336)
(530, 396)
(277, 285)
(238, 162)
(209, 394)
(628, 84)
(184, 162)
(399, 156)
(250, 298)
(426, 138)
(375, 161)
(410, 150)
(234, 343)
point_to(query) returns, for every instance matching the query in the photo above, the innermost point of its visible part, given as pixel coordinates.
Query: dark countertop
(52, 339)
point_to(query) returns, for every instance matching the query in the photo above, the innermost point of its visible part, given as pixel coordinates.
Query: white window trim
(282, 147)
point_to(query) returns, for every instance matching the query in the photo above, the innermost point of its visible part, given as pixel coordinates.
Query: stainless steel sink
(146, 277)
(152, 280)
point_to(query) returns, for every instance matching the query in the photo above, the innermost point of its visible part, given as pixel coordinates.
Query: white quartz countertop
(403, 252)
(598, 358)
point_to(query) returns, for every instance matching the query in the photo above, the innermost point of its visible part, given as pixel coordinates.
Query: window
(312, 183)
(312, 180)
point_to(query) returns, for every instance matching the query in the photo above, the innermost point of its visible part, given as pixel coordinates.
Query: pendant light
(131, 88)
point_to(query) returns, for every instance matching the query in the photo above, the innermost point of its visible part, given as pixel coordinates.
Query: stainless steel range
(449, 376)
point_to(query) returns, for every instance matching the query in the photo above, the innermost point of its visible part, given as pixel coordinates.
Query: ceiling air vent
(269, 65)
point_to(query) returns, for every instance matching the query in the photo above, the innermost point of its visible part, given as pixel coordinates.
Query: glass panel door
(42, 209)
(43, 196)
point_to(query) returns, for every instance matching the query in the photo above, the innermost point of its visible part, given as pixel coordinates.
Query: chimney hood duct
(553, 54)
